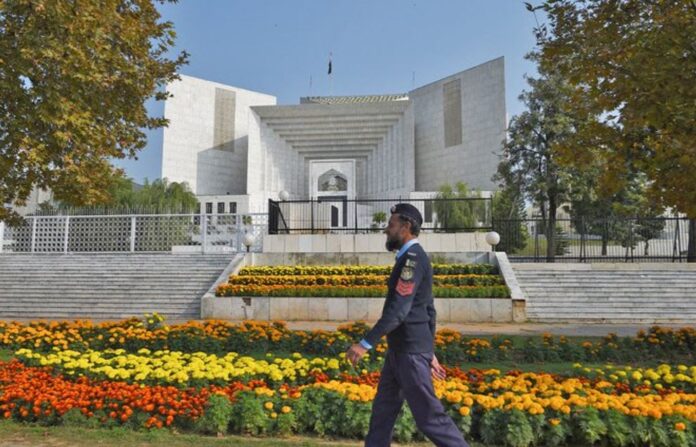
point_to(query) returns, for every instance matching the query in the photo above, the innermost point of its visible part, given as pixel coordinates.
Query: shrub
(217, 415)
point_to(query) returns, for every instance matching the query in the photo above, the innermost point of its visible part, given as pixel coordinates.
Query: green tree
(152, 233)
(159, 197)
(529, 162)
(631, 64)
(508, 220)
(378, 220)
(74, 78)
(456, 214)
(170, 197)
(628, 216)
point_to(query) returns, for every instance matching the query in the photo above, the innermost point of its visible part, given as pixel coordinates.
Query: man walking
(408, 320)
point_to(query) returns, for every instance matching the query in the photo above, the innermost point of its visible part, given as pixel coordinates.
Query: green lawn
(21, 435)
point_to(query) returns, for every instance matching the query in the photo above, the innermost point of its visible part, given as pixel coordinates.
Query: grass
(5, 355)
(20, 435)
(13, 433)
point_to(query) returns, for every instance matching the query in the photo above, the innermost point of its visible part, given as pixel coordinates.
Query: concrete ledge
(369, 243)
(519, 304)
(449, 310)
(362, 258)
(607, 266)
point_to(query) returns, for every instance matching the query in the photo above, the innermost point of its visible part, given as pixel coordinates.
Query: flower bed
(449, 281)
(221, 337)
(515, 409)
(438, 269)
(195, 377)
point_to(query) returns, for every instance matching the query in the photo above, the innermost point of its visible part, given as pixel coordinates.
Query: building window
(223, 124)
(208, 207)
(233, 207)
(452, 111)
(428, 211)
(221, 208)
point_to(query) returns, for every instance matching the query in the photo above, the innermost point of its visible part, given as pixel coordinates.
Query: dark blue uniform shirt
(408, 316)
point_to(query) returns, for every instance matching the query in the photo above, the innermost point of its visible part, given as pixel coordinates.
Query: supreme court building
(237, 148)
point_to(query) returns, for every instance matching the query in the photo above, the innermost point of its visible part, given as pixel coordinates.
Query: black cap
(408, 210)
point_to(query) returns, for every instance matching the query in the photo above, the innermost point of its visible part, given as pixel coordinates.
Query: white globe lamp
(248, 241)
(492, 239)
(284, 195)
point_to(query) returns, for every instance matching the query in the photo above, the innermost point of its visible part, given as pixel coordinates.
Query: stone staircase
(609, 293)
(106, 286)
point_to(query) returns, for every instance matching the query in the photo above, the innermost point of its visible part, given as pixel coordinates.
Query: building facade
(239, 148)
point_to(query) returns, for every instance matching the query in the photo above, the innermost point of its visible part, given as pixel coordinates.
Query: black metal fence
(595, 240)
(340, 215)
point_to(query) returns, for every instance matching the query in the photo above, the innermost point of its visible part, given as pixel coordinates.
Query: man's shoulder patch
(410, 263)
(405, 288)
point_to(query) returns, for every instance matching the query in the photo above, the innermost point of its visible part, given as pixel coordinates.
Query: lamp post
(248, 241)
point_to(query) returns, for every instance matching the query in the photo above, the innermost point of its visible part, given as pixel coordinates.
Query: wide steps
(101, 286)
(620, 294)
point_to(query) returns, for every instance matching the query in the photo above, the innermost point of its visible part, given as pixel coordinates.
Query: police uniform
(408, 321)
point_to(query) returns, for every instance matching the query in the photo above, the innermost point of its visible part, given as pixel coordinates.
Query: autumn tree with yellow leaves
(631, 65)
(74, 79)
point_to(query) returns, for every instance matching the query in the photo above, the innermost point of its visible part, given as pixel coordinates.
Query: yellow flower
(680, 426)
(465, 411)
(268, 405)
(285, 409)
(554, 421)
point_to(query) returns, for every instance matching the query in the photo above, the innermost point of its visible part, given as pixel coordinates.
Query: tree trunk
(605, 238)
(551, 232)
(691, 253)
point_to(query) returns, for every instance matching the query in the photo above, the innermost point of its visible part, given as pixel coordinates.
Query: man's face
(396, 233)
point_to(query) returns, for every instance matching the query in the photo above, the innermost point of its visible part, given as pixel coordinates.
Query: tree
(159, 197)
(628, 216)
(378, 220)
(164, 196)
(453, 213)
(508, 220)
(153, 233)
(631, 64)
(74, 78)
(529, 163)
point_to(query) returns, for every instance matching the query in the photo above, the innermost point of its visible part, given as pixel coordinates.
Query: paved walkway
(569, 329)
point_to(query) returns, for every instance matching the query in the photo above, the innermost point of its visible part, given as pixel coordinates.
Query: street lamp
(492, 239)
(283, 195)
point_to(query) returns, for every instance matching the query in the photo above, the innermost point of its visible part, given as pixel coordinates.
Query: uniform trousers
(408, 376)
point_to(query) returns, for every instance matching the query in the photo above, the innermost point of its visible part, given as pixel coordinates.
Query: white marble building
(237, 148)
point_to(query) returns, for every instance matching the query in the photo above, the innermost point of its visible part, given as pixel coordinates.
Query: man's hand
(437, 370)
(355, 353)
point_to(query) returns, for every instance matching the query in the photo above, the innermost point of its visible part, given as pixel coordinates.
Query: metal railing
(340, 215)
(595, 240)
(133, 233)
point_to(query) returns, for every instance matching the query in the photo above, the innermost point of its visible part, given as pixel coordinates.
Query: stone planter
(451, 310)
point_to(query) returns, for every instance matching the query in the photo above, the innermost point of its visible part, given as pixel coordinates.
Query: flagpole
(330, 74)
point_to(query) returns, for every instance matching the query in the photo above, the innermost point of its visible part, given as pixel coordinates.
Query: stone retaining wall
(458, 310)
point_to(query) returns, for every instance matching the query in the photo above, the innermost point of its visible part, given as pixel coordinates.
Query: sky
(377, 47)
